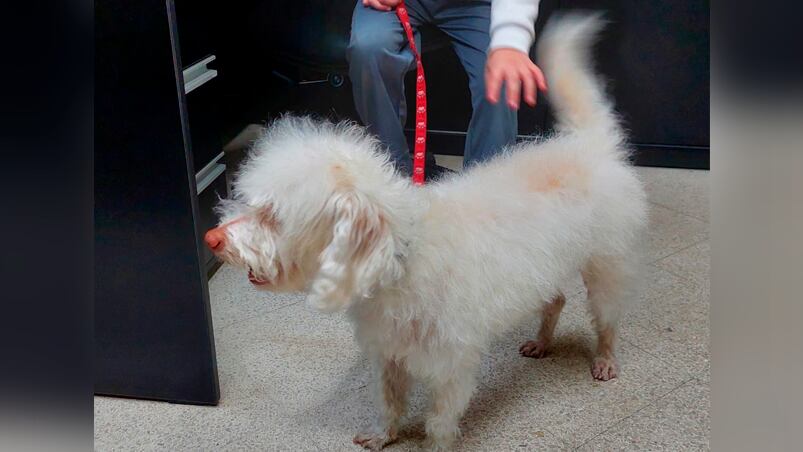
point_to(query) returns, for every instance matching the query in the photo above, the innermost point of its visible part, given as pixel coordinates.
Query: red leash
(420, 148)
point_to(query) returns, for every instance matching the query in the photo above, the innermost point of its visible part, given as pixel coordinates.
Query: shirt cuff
(512, 37)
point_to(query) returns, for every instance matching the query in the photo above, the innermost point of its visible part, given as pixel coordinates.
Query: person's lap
(378, 41)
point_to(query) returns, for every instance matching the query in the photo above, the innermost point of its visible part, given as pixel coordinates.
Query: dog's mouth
(254, 280)
(273, 281)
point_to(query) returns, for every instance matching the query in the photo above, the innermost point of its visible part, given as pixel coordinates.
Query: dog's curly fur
(430, 275)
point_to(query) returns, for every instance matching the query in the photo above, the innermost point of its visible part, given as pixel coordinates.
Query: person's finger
(540, 80)
(493, 84)
(529, 87)
(512, 90)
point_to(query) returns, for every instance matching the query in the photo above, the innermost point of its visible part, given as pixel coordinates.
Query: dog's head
(316, 207)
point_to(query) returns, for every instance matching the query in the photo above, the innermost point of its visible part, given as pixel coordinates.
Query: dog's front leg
(449, 401)
(393, 383)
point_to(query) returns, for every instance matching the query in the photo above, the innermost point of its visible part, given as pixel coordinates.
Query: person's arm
(513, 24)
(512, 34)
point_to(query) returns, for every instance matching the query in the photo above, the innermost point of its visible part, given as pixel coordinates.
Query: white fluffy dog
(430, 275)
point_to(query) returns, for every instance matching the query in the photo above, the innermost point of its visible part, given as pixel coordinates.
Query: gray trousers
(379, 57)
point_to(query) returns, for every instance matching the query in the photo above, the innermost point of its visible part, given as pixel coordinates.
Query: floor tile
(126, 425)
(671, 322)
(296, 356)
(510, 431)
(453, 162)
(670, 231)
(308, 363)
(683, 190)
(693, 263)
(234, 299)
(668, 300)
(677, 422)
(274, 430)
(566, 401)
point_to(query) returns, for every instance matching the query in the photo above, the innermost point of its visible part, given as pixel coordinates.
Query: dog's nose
(215, 239)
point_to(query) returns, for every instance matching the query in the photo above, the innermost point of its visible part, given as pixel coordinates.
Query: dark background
(654, 56)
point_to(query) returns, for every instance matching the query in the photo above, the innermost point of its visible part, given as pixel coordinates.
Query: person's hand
(514, 68)
(381, 5)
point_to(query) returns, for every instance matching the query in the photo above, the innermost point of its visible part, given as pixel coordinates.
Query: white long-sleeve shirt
(513, 24)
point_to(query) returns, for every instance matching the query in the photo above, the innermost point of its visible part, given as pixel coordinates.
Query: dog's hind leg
(550, 313)
(450, 399)
(393, 384)
(610, 282)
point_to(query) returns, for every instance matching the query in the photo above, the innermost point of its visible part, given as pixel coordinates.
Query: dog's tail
(575, 92)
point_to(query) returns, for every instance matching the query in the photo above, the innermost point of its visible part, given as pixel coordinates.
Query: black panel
(308, 33)
(221, 107)
(199, 25)
(654, 55)
(205, 122)
(153, 336)
(672, 156)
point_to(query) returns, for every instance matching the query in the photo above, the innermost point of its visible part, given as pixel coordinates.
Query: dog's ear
(362, 253)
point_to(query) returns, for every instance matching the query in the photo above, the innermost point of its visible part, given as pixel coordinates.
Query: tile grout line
(680, 250)
(634, 345)
(237, 322)
(679, 211)
(685, 375)
(659, 358)
(647, 405)
(685, 278)
(650, 322)
(567, 445)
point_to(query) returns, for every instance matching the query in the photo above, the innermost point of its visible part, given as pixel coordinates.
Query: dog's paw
(604, 368)
(373, 441)
(534, 349)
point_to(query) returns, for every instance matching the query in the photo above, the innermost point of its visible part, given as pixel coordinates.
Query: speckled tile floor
(293, 379)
